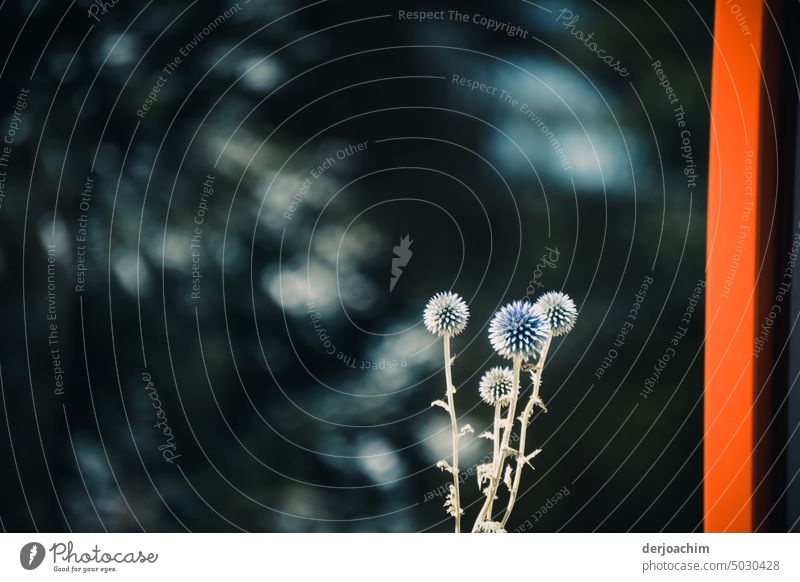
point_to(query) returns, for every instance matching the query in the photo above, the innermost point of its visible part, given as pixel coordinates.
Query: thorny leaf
(491, 527)
(445, 466)
(466, 429)
(537, 402)
(507, 477)
(441, 403)
(450, 503)
(540, 403)
(532, 455)
(484, 472)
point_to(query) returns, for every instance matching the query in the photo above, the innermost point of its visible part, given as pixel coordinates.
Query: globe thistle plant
(519, 330)
(496, 385)
(560, 311)
(446, 314)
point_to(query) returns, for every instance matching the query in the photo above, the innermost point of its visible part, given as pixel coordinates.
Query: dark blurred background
(289, 389)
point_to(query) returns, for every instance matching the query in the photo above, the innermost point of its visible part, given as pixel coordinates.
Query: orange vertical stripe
(731, 253)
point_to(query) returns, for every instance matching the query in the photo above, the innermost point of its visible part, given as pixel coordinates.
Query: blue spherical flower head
(446, 314)
(519, 330)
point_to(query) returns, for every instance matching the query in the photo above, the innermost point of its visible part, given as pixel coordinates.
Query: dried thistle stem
(495, 446)
(496, 440)
(453, 429)
(499, 461)
(524, 419)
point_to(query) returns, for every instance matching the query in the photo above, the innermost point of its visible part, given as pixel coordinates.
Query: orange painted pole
(732, 266)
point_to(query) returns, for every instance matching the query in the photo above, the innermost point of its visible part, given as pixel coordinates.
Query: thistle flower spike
(519, 330)
(496, 385)
(446, 314)
(560, 311)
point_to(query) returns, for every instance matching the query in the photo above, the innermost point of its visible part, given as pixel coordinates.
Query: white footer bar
(400, 557)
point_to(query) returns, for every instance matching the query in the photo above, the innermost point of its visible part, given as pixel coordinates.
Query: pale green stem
(523, 421)
(453, 429)
(500, 461)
